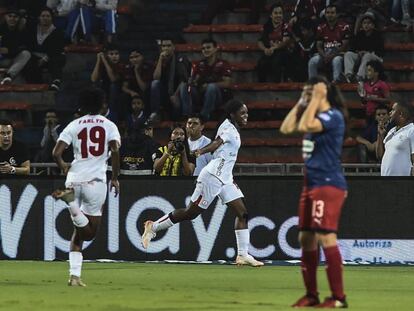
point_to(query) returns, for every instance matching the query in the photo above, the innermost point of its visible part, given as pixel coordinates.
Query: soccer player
(216, 179)
(320, 115)
(94, 138)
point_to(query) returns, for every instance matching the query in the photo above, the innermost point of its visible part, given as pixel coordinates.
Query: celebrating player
(93, 136)
(325, 188)
(216, 179)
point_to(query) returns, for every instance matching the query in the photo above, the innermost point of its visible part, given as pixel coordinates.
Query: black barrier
(35, 226)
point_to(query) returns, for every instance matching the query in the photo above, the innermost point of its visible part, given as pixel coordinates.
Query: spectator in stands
(107, 73)
(396, 149)
(46, 43)
(306, 9)
(90, 12)
(368, 139)
(400, 12)
(13, 50)
(216, 6)
(66, 14)
(303, 47)
(51, 133)
(367, 45)
(375, 90)
(137, 151)
(137, 78)
(14, 156)
(175, 159)
(273, 42)
(136, 117)
(209, 81)
(196, 141)
(332, 43)
(170, 74)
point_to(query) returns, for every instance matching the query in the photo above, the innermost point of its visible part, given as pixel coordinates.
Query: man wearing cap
(366, 46)
(13, 52)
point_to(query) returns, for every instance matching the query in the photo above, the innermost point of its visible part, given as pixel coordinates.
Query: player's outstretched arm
(211, 147)
(290, 123)
(57, 156)
(115, 162)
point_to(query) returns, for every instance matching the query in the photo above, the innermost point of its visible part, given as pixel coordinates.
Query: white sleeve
(226, 135)
(107, 5)
(113, 133)
(66, 136)
(411, 139)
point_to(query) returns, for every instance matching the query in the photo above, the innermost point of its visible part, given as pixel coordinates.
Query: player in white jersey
(196, 140)
(216, 179)
(94, 139)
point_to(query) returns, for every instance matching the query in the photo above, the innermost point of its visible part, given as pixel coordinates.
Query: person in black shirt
(137, 151)
(366, 46)
(46, 43)
(13, 52)
(14, 156)
(170, 74)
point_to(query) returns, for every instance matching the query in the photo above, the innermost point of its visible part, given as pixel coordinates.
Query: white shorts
(90, 196)
(208, 187)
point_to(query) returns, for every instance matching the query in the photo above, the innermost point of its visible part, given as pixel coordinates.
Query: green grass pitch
(26, 285)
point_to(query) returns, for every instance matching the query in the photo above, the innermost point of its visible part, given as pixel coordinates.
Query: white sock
(243, 241)
(75, 263)
(163, 223)
(78, 218)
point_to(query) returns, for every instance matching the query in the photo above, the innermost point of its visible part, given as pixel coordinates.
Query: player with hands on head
(324, 190)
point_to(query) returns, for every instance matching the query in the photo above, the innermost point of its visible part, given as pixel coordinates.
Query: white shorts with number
(208, 187)
(90, 196)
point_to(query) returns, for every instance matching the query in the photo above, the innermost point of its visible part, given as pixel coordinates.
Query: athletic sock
(75, 263)
(243, 241)
(163, 223)
(309, 267)
(78, 217)
(334, 271)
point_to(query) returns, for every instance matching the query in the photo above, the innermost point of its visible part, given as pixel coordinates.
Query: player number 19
(96, 137)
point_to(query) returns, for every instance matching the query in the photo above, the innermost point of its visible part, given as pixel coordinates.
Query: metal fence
(242, 169)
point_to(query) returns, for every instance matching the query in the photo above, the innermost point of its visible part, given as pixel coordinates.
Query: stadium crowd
(340, 40)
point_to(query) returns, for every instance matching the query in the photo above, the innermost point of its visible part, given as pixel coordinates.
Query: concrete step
(395, 71)
(249, 52)
(39, 95)
(242, 32)
(288, 91)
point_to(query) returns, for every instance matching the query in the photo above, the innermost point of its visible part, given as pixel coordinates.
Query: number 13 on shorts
(318, 208)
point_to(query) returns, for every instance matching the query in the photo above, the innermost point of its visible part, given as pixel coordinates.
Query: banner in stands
(376, 225)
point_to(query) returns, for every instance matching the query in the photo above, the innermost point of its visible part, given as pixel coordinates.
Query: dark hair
(179, 125)
(334, 97)
(276, 5)
(377, 66)
(209, 40)
(166, 38)
(332, 5)
(197, 116)
(382, 107)
(135, 50)
(51, 110)
(232, 106)
(6, 122)
(91, 100)
(46, 9)
(111, 47)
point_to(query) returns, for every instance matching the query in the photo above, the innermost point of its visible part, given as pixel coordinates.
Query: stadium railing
(246, 169)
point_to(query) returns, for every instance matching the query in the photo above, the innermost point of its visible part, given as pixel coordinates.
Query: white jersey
(399, 145)
(89, 136)
(225, 156)
(203, 159)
